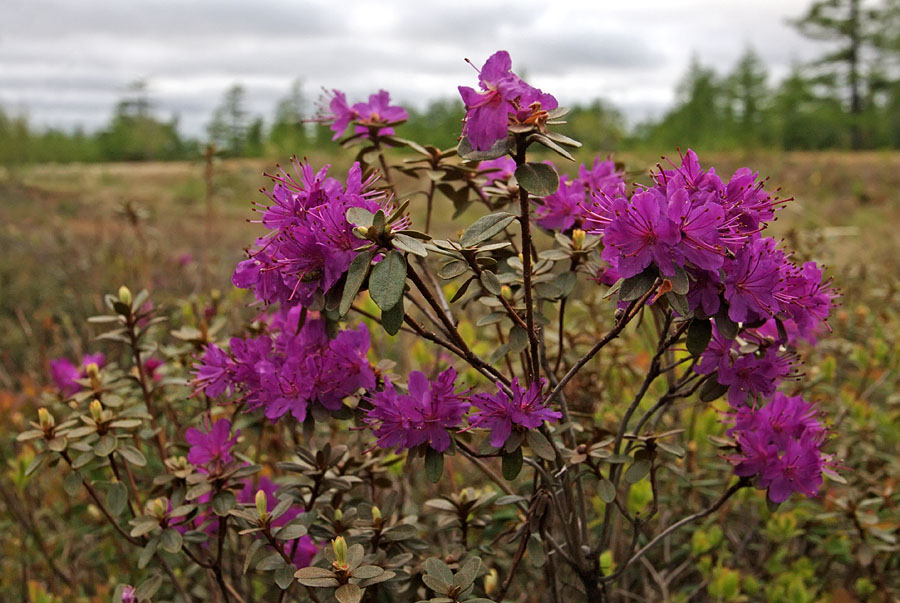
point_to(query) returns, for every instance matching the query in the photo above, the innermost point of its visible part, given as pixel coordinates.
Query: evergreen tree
(288, 133)
(230, 121)
(852, 29)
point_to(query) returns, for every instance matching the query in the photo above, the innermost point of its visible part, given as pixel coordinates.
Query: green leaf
(410, 245)
(637, 471)
(635, 286)
(148, 588)
(270, 562)
(356, 275)
(223, 502)
(536, 551)
(462, 290)
(439, 570)
(387, 280)
(680, 282)
(452, 269)
(671, 448)
(485, 227)
(348, 593)
(698, 335)
(512, 464)
(392, 319)
(117, 498)
(606, 491)
(490, 282)
(539, 179)
(498, 149)
(434, 464)
(360, 216)
(132, 455)
(518, 339)
(147, 553)
(252, 551)
(712, 389)
(678, 303)
(727, 327)
(539, 445)
(171, 540)
(105, 445)
(466, 575)
(284, 576)
(72, 483)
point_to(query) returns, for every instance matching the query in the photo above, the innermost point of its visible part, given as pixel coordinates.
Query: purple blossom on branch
(211, 448)
(501, 413)
(504, 97)
(424, 415)
(781, 443)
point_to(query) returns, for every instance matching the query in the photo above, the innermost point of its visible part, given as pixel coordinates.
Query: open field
(70, 233)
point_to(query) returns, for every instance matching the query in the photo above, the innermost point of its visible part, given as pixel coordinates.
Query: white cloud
(68, 62)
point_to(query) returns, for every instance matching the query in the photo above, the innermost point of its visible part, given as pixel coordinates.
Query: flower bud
(46, 419)
(491, 579)
(376, 514)
(158, 507)
(125, 295)
(338, 515)
(93, 373)
(96, 411)
(339, 546)
(578, 237)
(262, 504)
(506, 292)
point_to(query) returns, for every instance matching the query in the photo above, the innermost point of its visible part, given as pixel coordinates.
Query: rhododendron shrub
(298, 461)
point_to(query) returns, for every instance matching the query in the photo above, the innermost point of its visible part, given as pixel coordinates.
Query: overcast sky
(66, 62)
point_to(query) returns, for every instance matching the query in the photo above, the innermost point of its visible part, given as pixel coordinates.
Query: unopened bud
(339, 546)
(490, 581)
(578, 236)
(262, 504)
(158, 507)
(376, 514)
(125, 295)
(338, 515)
(96, 410)
(506, 292)
(93, 373)
(46, 419)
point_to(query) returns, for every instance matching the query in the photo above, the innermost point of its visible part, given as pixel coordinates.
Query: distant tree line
(848, 98)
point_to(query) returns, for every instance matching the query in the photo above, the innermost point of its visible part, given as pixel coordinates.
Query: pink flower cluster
(288, 368)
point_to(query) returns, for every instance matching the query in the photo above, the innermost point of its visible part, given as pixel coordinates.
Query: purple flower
(752, 375)
(504, 96)
(500, 413)
(781, 444)
(341, 114)
(501, 168)
(559, 210)
(64, 374)
(311, 243)
(797, 469)
(750, 281)
(289, 368)
(422, 416)
(128, 594)
(211, 448)
(375, 114)
(640, 233)
(213, 372)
